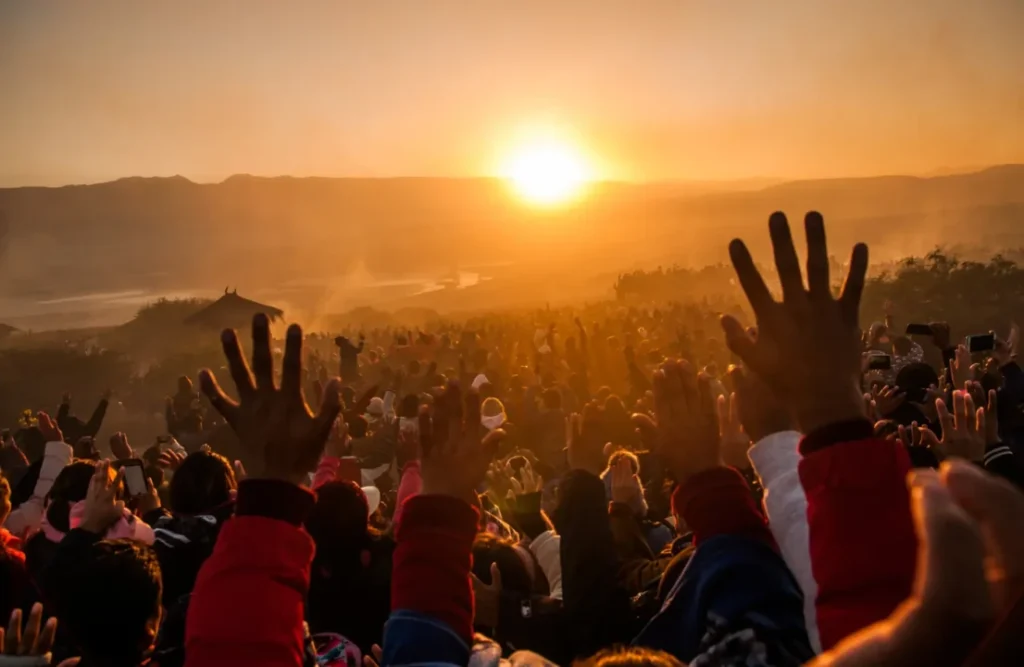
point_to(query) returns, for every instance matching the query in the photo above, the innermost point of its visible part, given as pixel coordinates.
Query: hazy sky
(710, 89)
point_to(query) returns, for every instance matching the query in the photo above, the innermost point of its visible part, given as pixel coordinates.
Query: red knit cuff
(433, 559)
(718, 502)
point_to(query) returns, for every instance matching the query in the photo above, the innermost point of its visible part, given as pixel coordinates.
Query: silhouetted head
(203, 482)
(108, 601)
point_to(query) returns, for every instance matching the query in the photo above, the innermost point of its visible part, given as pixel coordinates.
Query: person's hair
(203, 482)
(339, 523)
(552, 399)
(108, 601)
(414, 367)
(634, 462)
(489, 548)
(631, 656)
(915, 379)
(70, 486)
(615, 408)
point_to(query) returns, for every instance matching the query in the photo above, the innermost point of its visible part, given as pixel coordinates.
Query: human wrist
(831, 407)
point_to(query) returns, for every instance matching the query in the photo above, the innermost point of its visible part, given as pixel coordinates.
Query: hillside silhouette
(313, 236)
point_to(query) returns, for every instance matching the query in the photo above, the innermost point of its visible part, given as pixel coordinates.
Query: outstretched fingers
(236, 364)
(853, 287)
(262, 361)
(291, 371)
(817, 257)
(227, 408)
(750, 279)
(786, 261)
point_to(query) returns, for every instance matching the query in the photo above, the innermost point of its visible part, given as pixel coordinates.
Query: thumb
(495, 576)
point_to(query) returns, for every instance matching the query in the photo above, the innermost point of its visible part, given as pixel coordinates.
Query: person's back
(350, 581)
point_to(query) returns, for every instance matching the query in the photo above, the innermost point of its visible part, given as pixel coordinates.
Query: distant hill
(311, 235)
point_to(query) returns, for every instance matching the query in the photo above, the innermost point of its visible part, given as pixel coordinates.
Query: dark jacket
(353, 599)
(74, 428)
(183, 543)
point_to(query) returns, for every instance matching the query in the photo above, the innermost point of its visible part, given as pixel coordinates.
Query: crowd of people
(585, 486)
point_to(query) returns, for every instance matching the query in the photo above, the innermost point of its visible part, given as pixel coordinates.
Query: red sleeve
(718, 502)
(247, 605)
(433, 559)
(862, 541)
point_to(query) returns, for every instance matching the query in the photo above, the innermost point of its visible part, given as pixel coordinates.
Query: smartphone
(880, 362)
(919, 330)
(981, 343)
(134, 476)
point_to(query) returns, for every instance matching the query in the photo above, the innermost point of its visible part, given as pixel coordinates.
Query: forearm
(431, 593)
(247, 605)
(775, 460)
(92, 427)
(862, 542)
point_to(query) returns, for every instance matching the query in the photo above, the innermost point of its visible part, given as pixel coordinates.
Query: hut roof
(232, 311)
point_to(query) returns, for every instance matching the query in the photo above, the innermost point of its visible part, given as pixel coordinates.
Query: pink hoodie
(128, 526)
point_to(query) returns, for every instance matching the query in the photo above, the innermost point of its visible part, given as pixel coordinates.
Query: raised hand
(119, 446)
(273, 422)
(916, 436)
(170, 459)
(735, 441)
(886, 400)
(102, 508)
(808, 346)
(964, 431)
(455, 449)
(528, 481)
(48, 427)
(759, 410)
(338, 440)
(686, 428)
(36, 640)
(970, 572)
(487, 598)
(625, 485)
(960, 366)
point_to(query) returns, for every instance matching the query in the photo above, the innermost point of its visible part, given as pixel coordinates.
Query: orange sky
(657, 89)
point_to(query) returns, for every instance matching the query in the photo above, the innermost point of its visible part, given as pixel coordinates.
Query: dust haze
(80, 256)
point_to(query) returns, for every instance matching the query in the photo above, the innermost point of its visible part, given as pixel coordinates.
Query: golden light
(547, 171)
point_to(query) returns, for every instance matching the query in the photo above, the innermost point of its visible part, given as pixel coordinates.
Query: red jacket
(862, 541)
(247, 605)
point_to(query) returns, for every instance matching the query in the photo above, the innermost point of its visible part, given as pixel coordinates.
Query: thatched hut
(232, 312)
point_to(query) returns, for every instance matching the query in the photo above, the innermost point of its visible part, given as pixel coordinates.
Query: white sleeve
(775, 459)
(547, 549)
(29, 514)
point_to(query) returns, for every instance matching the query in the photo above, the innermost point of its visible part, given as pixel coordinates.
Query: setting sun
(547, 172)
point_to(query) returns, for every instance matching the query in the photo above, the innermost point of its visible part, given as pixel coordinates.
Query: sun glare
(547, 172)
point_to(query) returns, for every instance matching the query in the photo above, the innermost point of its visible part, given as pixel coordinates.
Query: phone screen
(134, 478)
(981, 343)
(880, 362)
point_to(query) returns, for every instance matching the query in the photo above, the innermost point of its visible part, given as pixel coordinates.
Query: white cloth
(29, 515)
(548, 551)
(775, 459)
(479, 381)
